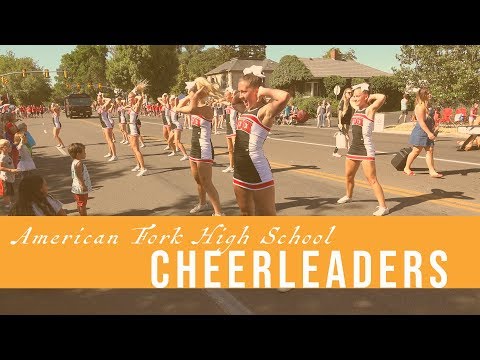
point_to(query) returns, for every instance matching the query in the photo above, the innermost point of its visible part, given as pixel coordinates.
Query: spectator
(345, 112)
(81, 184)
(422, 136)
(7, 172)
(328, 112)
(34, 199)
(403, 108)
(473, 114)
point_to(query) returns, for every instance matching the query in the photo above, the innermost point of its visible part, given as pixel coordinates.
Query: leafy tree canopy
(130, 64)
(33, 89)
(450, 71)
(289, 72)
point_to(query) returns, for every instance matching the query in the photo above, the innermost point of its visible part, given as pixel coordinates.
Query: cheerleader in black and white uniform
(133, 108)
(201, 153)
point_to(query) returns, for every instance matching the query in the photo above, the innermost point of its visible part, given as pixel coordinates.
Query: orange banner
(238, 252)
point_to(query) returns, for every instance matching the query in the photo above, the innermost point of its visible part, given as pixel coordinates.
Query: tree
(391, 87)
(252, 52)
(201, 63)
(132, 63)
(228, 51)
(192, 49)
(450, 71)
(289, 73)
(188, 52)
(349, 55)
(182, 75)
(85, 66)
(331, 81)
(34, 89)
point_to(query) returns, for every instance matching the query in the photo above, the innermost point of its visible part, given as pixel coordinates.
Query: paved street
(308, 182)
(308, 178)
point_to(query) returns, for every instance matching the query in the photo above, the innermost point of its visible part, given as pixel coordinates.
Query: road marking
(62, 151)
(458, 204)
(377, 151)
(227, 302)
(453, 203)
(148, 122)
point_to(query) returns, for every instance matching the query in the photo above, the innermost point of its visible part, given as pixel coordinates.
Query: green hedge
(310, 105)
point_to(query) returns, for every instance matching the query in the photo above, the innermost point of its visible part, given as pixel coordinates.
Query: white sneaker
(108, 155)
(198, 208)
(215, 214)
(336, 155)
(173, 153)
(184, 157)
(141, 172)
(344, 200)
(143, 145)
(381, 211)
(113, 158)
(166, 147)
(228, 170)
(136, 168)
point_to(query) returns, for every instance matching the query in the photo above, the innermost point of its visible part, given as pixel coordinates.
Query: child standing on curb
(81, 184)
(25, 165)
(7, 172)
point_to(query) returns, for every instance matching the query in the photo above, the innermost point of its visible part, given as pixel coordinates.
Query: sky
(381, 57)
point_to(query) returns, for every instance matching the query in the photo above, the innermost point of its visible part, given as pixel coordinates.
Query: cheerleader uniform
(252, 169)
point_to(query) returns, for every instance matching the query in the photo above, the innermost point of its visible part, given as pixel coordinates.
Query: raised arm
(189, 104)
(183, 102)
(279, 100)
(377, 100)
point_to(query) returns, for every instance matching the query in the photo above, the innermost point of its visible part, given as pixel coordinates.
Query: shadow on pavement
(296, 167)
(306, 202)
(437, 194)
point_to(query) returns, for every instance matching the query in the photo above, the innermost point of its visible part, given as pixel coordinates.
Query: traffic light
(99, 86)
(78, 86)
(89, 85)
(46, 73)
(65, 74)
(24, 73)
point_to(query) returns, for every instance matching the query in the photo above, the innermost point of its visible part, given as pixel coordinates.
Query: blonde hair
(140, 87)
(3, 143)
(19, 136)
(209, 88)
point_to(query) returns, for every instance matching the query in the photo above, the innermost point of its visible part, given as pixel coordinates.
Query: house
(322, 68)
(230, 72)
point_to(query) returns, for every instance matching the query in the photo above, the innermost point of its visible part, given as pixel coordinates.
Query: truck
(78, 105)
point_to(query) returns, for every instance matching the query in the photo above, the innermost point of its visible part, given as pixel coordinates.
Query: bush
(310, 105)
